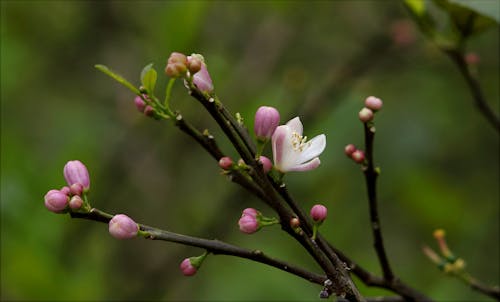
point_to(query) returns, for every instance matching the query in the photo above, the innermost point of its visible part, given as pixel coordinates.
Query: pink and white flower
(292, 151)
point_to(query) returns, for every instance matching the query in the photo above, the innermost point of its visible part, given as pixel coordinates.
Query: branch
(474, 87)
(215, 247)
(371, 179)
(334, 270)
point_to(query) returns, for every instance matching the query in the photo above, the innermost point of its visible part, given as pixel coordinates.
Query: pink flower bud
(226, 163)
(373, 103)
(267, 165)
(248, 224)
(358, 156)
(56, 201)
(267, 120)
(176, 65)
(472, 58)
(187, 268)
(76, 172)
(66, 190)
(349, 150)
(140, 104)
(76, 189)
(194, 64)
(75, 202)
(365, 115)
(123, 227)
(149, 111)
(251, 212)
(201, 78)
(403, 33)
(318, 213)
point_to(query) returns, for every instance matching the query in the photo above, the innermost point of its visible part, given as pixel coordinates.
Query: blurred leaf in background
(316, 60)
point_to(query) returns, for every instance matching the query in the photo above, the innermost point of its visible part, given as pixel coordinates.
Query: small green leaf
(118, 78)
(416, 6)
(148, 78)
(486, 8)
(466, 17)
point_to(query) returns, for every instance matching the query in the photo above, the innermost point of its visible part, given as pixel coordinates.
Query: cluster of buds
(447, 262)
(70, 197)
(189, 266)
(191, 68)
(372, 105)
(318, 214)
(252, 220)
(142, 107)
(355, 154)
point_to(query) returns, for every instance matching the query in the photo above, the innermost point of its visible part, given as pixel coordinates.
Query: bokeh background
(317, 60)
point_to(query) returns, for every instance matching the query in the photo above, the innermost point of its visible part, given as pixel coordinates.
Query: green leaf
(416, 6)
(487, 8)
(118, 78)
(465, 17)
(148, 78)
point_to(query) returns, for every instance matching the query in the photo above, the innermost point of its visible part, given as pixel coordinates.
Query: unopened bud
(349, 150)
(139, 104)
(373, 103)
(358, 156)
(76, 172)
(294, 222)
(123, 227)
(267, 165)
(226, 163)
(267, 120)
(75, 202)
(56, 201)
(66, 190)
(251, 212)
(194, 64)
(248, 224)
(365, 115)
(472, 58)
(202, 78)
(176, 65)
(187, 268)
(76, 189)
(318, 213)
(149, 111)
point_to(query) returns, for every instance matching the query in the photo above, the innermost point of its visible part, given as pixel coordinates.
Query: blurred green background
(316, 60)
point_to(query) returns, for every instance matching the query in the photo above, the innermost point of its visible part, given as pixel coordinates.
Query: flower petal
(310, 165)
(314, 148)
(296, 125)
(280, 137)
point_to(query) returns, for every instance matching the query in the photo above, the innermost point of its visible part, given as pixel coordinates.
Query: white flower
(292, 151)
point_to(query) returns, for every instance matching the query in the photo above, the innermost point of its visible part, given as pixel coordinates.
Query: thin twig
(474, 87)
(371, 184)
(212, 246)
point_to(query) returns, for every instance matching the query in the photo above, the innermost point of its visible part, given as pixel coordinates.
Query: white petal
(314, 148)
(283, 153)
(310, 165)
(296, 125)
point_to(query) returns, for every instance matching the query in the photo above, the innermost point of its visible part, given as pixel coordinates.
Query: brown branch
(475, 88)
(213, 246)
(371, 184)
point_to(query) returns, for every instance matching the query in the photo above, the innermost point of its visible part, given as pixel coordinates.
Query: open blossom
(292, 151)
